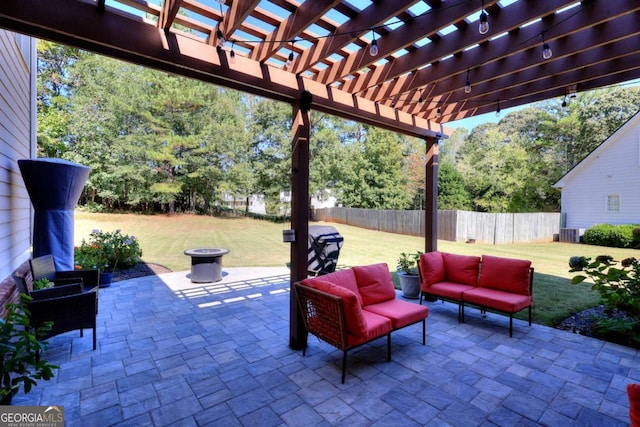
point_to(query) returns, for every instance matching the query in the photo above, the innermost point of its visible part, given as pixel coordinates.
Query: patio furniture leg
(510, 325)
(389, 347)
(424, 331)
(421, 294)
(529, 315)
(344, 364)
(461, 312)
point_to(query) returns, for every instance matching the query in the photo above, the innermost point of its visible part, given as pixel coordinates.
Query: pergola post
(299, 213)
(431, 196)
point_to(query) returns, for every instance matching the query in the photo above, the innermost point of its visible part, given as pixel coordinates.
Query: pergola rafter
(426, 47)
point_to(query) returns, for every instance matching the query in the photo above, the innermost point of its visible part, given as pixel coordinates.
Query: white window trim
(608, 205)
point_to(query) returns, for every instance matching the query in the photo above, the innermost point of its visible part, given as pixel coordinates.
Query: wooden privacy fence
(456, 226)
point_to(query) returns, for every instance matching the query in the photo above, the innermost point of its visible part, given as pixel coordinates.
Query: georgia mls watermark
(31, 416)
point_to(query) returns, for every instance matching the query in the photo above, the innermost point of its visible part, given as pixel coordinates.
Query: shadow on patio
(175, 353)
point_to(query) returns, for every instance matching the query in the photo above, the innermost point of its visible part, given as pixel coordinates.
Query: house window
(613, 203)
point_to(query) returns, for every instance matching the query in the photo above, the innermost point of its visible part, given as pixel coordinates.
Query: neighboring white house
(257, 204)
(605, 186)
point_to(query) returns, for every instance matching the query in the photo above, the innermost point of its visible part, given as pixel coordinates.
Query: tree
(377, 181)
(53, 85)
(452, 193)
(270, 150)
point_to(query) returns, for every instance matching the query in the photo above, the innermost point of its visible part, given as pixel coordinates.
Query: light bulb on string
(467, 84)
(546, 51)
(373, 50)
(232, 54)
(438, 112)
(498, 110)
(564, 103)
(483, 28)
(220, 36)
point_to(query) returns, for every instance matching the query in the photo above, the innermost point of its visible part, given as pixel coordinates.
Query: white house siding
(17, 141)
(612, 169)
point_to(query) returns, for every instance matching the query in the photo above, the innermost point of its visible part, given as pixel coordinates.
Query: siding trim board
(17, 141)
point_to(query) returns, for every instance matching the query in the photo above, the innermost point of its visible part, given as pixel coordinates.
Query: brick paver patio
(173, 353)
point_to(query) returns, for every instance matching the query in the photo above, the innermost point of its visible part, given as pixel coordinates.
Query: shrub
(619, 287)
(107, 251)
(611, 235)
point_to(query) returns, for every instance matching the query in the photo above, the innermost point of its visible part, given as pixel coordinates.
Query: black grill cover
(324, 248)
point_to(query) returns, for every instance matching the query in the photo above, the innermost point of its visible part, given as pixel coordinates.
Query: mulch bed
(582, 323)
(139, 270)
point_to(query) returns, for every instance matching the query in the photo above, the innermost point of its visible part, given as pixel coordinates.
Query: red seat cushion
(377, 326)
(345, 278)
(431, 265)
(356, 323)
(449, 290)
(461, 268)
(633, 391)
(499, 300)
(401, 313)
(374, 283)
(511, 275)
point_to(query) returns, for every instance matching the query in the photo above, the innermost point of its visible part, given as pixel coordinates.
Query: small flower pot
(105, 279)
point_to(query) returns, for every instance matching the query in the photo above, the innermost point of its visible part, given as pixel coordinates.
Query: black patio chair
(67, 306)
(44, 267)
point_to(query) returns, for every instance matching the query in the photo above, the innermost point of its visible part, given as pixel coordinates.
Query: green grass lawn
(259, 243)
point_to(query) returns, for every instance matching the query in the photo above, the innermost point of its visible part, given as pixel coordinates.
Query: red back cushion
(374, 283)
(461, 268)
(356, 323)
(633, 391)
(431, 265)
(505, 274)
(345, 278)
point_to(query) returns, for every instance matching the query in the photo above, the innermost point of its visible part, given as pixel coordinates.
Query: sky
(471, 122)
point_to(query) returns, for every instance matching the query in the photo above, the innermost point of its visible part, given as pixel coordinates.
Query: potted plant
(107, 250)
(20, 349)
(408, 274)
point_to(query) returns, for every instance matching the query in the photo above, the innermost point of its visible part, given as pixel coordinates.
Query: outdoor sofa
(498, 284)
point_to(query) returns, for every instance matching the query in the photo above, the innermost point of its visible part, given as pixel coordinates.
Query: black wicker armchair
(67, 306)
(44, 267)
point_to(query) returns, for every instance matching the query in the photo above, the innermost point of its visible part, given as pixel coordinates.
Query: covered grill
(324, 248)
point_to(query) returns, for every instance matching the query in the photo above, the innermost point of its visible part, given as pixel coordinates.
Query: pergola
(404, 65)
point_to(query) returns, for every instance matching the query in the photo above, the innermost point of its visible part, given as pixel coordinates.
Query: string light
(546, 50)
(483, 28)
(438, 112)
(220, 36)
(498, 110)
(232, 54)
(564, 102)
(373, 50)
(467, 84)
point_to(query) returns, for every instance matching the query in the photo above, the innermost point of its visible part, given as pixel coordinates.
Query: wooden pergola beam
(121, 37)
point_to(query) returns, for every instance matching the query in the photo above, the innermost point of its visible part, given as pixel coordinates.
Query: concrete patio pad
(174, 353)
